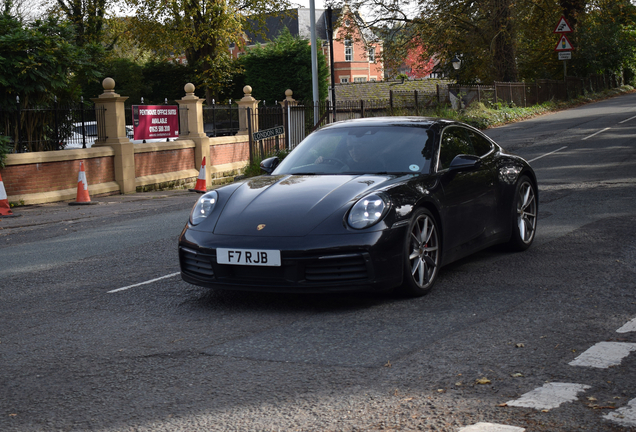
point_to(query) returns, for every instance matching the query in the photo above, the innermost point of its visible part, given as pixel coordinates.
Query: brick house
(357, 52)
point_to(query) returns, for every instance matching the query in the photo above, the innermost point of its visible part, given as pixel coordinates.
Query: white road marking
(547, 154)
(144, 283)
(596, 133)
(549, 396)
(625, 416)
(604, 354)
(491, 427)
(624, 121)
(629, 327)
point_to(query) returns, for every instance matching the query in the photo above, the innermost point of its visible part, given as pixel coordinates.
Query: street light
(456, 62)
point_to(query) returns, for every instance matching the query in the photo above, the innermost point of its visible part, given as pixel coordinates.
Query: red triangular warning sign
(564, 44)
(562, 26)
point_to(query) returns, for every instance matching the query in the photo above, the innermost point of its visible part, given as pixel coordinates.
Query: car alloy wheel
(422, 254)
(525, 215)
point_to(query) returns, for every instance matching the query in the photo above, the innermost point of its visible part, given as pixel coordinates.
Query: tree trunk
(503, 44)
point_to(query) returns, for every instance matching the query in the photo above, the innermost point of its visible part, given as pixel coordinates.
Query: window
(359, 79)
(480, 143)
(372, 55)
(344, 79)
(348, 43)
(454, 142)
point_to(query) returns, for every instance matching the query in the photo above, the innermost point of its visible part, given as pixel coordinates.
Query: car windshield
(361, 150)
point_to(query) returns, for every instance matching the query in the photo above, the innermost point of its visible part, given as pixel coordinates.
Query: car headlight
(368, 211)
(203, 207)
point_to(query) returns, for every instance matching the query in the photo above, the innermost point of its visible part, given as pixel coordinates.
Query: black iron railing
(220, 119)
(54, 127)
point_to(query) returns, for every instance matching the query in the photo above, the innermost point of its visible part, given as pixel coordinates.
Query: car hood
(290, 205)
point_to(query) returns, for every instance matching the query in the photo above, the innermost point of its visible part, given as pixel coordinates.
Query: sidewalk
(50, 213)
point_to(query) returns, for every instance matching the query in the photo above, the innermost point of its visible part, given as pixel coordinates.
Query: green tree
(203, 30)
(482, 32)
(284, 64)
(87, 16)
(499, 40)
(153, 80)
(37, 63)
(606, 41)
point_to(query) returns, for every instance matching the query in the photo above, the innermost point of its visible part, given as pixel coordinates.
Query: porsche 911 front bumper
(309, 264)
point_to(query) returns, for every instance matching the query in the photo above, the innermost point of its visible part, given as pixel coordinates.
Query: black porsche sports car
(373, 203)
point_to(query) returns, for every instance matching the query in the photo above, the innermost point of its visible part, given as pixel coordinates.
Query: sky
(320, 4)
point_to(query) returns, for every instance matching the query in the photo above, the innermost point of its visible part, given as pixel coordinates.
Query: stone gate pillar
(111, 131)
(191, 106)
(246, 102)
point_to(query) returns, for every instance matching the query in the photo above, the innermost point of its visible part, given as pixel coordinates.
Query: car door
(468, 194)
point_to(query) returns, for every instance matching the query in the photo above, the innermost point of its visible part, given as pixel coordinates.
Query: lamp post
(456, 62)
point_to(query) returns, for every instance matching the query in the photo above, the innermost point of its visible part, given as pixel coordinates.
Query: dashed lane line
(144, 283)
(491, 427)
(625, 416)
(604, 354)
(547, 154)
(629, 327)
(550, 396)
(595, 133)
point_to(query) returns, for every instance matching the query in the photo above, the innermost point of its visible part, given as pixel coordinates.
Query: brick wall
(160, 162)
(221, 154)
(54, 176)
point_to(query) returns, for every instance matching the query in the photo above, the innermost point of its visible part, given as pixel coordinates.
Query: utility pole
(314, 60)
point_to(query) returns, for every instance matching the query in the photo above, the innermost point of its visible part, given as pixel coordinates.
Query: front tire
(524, 217)
(422, 255)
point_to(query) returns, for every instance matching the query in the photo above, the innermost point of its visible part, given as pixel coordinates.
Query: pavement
(31, 217)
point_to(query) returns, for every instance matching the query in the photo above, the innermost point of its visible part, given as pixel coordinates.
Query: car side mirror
(464, 162)
(269, 165)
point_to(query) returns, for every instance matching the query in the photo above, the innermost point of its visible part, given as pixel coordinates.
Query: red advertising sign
(155, 121)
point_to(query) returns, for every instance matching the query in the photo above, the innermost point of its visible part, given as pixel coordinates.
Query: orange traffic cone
(5, 207)
(200, 186)
(82, 188)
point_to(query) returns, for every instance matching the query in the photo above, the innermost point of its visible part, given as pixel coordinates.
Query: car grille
(310, 270)
(336, 268)
(253, 273)
(196, 263)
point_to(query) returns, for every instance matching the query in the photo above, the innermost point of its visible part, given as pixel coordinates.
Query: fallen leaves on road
(596, 407)
(483, 380)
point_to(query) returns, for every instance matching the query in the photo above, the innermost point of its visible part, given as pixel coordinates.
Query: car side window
(454, 142)
(481, 145)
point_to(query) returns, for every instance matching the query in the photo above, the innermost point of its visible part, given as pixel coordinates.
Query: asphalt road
(168, 356)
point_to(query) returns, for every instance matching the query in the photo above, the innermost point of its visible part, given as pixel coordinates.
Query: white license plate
(251, 257)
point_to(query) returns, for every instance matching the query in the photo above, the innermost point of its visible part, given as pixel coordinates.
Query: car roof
(390, 121)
